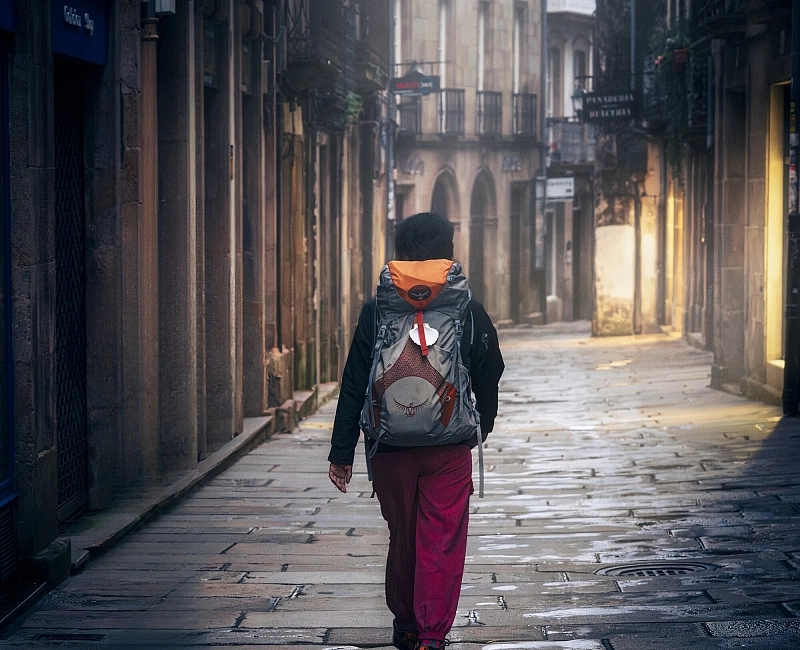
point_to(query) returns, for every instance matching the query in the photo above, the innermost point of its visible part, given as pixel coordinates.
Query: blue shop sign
(80, 30)
(8, 15)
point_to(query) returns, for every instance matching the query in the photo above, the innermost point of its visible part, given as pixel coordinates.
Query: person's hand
(340, 476)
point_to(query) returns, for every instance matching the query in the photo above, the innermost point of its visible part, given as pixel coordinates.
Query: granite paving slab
(608, 456)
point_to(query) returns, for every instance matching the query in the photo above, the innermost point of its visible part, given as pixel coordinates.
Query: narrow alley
(628, 507)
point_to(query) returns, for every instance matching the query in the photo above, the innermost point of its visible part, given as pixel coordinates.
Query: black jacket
(483, 356)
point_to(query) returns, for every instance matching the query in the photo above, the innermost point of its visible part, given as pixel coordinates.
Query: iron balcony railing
(314, 41)
(489, 110)
(451, 111)
(523, 108)
(572, 143)
(372, 48)
(409, 115)
(720, 15)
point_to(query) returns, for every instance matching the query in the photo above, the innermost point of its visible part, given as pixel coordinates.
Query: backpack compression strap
(421, 331)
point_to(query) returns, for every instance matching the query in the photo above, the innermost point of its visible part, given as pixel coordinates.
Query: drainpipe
(637, 259)
(149, 113)
(633, 45)
(148, 227)
(389, 134)
(791, 376)
(543, 144)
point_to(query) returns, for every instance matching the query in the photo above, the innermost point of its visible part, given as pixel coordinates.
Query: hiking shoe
(404, 639)
(429, 644)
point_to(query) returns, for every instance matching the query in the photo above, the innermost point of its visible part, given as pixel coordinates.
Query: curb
(95, 533)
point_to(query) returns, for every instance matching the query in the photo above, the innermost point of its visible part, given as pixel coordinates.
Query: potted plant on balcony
(671, 49)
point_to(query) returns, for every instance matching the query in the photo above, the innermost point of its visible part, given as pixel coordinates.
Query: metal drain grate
(655, 569)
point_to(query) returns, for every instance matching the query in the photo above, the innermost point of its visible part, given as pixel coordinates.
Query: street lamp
(577, 102)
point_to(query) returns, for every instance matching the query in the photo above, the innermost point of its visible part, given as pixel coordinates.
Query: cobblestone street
(628, 507)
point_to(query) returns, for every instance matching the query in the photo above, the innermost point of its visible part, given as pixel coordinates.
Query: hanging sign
(414, 82)
(609, 106)
(560, 189)
(80, 30)
(8, 15)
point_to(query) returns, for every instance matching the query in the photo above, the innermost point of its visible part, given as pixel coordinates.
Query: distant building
(568, 221)
(471, 151)
(691, 193)
(728, 211)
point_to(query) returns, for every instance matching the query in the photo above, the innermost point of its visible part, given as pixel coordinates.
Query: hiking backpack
(419, 391)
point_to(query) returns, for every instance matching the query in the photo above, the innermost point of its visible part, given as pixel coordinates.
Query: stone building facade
(193, 191)
(701, 247)
(472, 150)
(568, 221)
(733, 205)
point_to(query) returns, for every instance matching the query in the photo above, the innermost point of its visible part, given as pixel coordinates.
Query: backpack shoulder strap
(471, 327)
(468, 325)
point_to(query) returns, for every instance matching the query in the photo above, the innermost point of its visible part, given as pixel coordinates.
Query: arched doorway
(482, 233)
(444, 201)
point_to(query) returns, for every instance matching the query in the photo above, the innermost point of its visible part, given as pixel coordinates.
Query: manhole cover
(655, 569)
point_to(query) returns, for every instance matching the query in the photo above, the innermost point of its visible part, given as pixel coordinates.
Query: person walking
(424, 489)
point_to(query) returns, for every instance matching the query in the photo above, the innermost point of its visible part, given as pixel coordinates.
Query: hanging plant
(671, 49)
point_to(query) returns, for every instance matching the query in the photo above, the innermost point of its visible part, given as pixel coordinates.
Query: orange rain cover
(418, 283)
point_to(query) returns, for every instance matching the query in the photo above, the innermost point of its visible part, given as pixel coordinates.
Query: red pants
(424, 497)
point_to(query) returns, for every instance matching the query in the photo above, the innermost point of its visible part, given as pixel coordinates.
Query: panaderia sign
(599, 107)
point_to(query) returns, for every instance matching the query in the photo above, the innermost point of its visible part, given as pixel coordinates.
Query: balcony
(655, 102)
(697, 95)
(719, 17)
(409, 116)
(489, 110)
(523, 107)
(371, 70)
(583, 7)
(314, 36)
(571, 143)
(372, 48)
(451, 112)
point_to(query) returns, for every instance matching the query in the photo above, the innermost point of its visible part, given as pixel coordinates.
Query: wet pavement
(628, 507)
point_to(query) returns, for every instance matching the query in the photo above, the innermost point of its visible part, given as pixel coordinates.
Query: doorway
(70, 270)
(444, 202)
(776, 210)
(477, 244)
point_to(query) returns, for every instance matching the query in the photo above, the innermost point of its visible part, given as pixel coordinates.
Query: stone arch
(581, 42)
(482, 234)
(556, 38)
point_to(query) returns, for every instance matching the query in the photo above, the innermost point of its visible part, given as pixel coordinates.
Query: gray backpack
(419, 391)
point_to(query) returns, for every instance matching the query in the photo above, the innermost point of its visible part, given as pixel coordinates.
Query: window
(579, 68)
(398, 35)
(444, 6)
(554, 84)
(516, 48)
(483, 10)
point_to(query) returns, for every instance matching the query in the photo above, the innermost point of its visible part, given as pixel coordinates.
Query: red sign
(414, 83)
